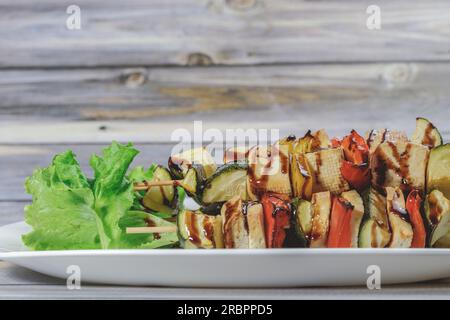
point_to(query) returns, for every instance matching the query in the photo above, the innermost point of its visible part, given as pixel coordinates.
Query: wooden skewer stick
(168, 229)
(147, 185)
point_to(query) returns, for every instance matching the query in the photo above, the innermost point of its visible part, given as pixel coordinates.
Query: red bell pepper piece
(355, 148)
(340, 235)
(358, 176)
(277, 215)
(355, 168)
(336, 142)
(413, 204)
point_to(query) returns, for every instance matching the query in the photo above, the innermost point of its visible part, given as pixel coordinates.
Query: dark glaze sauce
(151, 223)
(231, 214)
(397, 208)
(401, 167)
(258, 184)
(208, 229)
(374, 242)
(318, 156)
(192, 229)
(178, 165)
(428, 139)
(434, 210)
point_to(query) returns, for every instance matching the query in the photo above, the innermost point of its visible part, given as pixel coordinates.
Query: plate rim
(227, 252)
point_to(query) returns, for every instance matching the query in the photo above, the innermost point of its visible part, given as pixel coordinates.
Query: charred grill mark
(428, 139)
(191, 229)
(208, 230)
(434, 212)
(151, 223)
(231, 215)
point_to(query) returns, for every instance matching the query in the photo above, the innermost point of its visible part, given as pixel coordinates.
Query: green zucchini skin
(228, 181)
(296, 237)
(426, 134)
(437, 215)
(160, 199)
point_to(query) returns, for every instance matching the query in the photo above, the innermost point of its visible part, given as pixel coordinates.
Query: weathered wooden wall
(138, 69)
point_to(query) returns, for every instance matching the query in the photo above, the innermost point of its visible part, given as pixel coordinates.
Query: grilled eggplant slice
(234, 225)
(268, 171)
(160, 199)
(320, 222)
(438, 172)
(179, 164)
(255, 221)
(199, 231)
(356, 201)
(230, 180)
(401, 229)
(326, 169)
(399, 164)
(426, 134)
(437, 212)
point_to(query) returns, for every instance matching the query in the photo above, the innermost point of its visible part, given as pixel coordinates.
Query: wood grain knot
(134, 78)
(199, 59)
(399, 74)
(241, 5)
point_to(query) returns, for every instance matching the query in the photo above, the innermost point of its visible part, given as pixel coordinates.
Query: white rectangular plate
(229, 268)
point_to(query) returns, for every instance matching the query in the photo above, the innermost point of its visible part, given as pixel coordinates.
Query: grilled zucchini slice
(355, 199)
(437, 212)
(438, 171)
(179, 164)
(160, 199)
(426, 134)
(229, 180)
(301, 226)
(375, 230)
(372, 235)
(199, 231)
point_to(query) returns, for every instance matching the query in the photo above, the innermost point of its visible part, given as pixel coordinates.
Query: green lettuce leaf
(70, 211)
(113, 192)
(62, 214)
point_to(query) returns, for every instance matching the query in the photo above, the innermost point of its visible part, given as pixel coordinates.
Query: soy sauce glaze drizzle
(435, 211)
(208, 229)
(151, 223)
(401, 168)
(428, 139)
(258, 184)
(192, 229)
(231, 214)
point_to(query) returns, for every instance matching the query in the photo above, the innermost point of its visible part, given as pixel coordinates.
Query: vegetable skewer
(303, 172)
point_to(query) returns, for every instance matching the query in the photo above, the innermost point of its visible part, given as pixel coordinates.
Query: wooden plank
(147, 104)
(192, 32)
(19, 283)
(20, 162)
(11, 211)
